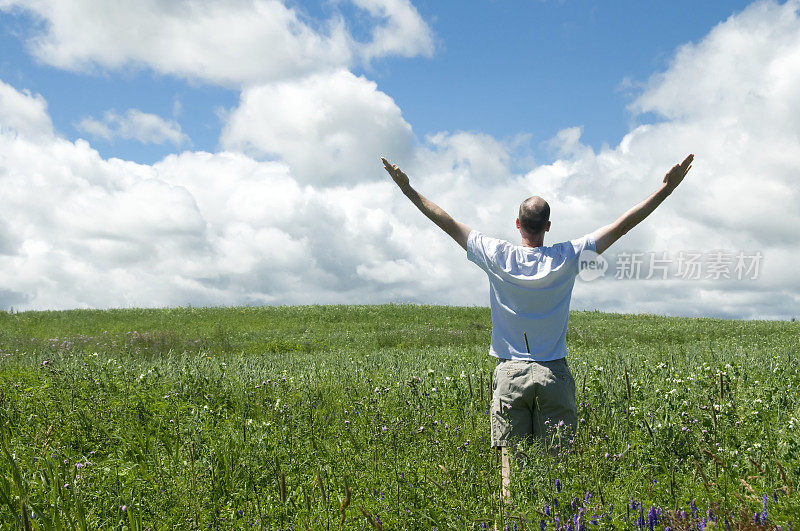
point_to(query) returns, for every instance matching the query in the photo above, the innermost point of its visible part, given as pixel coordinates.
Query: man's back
(529, 294)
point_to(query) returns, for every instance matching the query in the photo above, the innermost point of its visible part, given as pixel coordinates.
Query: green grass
(268, 417)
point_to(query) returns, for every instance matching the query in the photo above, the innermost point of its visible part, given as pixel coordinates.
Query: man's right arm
(606, 236)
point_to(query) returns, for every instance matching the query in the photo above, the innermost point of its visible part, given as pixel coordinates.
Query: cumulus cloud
(402, 21)
(24, 112)
(134, 125)
(329, 128)
(256, 224)
(228, 42)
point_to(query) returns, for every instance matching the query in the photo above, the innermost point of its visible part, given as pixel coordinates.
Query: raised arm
(606, 236)
(458, 231)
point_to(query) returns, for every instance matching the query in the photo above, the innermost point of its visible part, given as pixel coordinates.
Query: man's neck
(533, 242)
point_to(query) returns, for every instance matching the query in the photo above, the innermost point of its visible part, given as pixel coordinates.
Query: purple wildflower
(764, 510)
(693, 507)
(652, 518)
(546, 509)
(542, 525)
(558, 485)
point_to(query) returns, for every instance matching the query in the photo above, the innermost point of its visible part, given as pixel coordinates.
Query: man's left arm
(458, 231)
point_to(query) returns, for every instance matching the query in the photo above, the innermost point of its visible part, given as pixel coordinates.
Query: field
(376, 417)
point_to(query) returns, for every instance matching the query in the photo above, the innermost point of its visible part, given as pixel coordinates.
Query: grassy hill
(378, 415)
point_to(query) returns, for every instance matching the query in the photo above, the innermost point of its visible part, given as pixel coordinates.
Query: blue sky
(225, 152)
(500, 67)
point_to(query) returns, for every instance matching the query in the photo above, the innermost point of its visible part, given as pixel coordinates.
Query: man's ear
(546, 229)
(517, 222)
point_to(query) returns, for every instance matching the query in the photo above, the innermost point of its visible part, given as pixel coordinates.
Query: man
(530, 287)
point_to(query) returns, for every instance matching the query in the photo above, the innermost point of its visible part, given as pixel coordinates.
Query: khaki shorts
(531, 399)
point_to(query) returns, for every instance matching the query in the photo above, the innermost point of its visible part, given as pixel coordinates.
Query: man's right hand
(607, 235)
(675, 175)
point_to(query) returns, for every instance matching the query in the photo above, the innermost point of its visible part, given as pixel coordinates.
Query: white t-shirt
(529, 293)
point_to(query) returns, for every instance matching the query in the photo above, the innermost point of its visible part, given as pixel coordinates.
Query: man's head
(534, 217)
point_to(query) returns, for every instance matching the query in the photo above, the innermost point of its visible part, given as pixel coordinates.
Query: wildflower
(652, 518)
(124, 508)
(558, 485)
(764, 510)
(542, 525)
(546, 509)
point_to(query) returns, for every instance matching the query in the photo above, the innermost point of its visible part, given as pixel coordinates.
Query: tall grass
(377, 416)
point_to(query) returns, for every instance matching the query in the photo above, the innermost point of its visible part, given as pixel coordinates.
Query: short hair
(534, 213)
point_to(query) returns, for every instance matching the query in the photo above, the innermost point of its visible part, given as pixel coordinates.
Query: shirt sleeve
(481, 249)
(584, 243)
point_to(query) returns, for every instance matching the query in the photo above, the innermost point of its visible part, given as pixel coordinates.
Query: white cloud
(24, 112)
(225, 228)
(134, 125)
(230, 42)
(405, 33)
(329, 128)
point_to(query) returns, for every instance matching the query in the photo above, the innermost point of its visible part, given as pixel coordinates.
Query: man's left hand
(397, 174)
